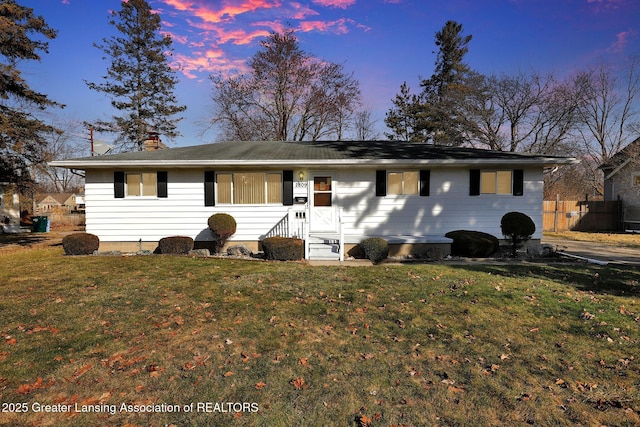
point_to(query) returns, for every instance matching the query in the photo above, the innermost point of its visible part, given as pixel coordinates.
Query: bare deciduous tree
(607, 112)
(287, 95)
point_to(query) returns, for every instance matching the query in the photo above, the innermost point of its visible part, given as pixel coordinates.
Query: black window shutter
(381, 183)
(287, 188)
(425, 182)
(518, 182)
(118, 185)
(162, 184)
(474, 182)
(209, 193)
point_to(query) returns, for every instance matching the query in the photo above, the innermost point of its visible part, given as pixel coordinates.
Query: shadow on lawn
(25, 239)
(613, 280)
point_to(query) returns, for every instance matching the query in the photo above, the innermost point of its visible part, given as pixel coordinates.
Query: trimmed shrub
(517, 227)
(473, 244)
(283, 248)
(222, 226)
(375, 249)
(178, 245)
(80, 244)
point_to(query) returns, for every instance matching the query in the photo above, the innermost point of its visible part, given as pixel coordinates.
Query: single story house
(55, 202)
(622, 182)
(332, 194)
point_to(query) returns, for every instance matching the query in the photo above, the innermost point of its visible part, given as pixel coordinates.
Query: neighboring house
(55, 202)
(622, 182)
(331, 193)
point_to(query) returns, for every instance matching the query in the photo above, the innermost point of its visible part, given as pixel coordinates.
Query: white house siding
(449, 206)
(183, 213)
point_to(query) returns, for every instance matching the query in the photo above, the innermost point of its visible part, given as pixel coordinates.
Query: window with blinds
(249, 188)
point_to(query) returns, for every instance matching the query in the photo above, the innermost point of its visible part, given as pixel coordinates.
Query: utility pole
(91, 138)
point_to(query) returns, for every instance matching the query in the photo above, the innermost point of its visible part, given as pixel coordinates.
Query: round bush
(375, 249)
(518, 224)
(80, 244)
(179, 245)
(473, 244)
(222, 226)
(518, 227)
(283, 248)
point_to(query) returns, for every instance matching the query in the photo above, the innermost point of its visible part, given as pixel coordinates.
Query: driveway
(596, 251)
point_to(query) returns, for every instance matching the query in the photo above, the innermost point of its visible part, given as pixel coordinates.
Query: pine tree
(404, 118)
(23, 136)
(440, 113)
(446, 93)
(139, 80)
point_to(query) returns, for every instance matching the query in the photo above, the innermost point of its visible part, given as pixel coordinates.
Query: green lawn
(223, 342)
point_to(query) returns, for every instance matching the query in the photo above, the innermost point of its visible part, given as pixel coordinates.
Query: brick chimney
(153, 142)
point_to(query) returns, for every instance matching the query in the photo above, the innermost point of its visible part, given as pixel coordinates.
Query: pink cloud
(622, 40)
(341, 26)
(209, 28)
(210, 61)
(342, 4)
(599, 6)
(301, 11)
(323, 26)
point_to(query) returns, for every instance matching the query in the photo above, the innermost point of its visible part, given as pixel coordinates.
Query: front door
(323, 213)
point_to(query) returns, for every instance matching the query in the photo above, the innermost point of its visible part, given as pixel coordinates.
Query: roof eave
(544, 161)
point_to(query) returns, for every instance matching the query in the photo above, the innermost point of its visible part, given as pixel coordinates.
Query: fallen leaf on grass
(81, 371)
(38, 384)
(298, 383)
(260, 385)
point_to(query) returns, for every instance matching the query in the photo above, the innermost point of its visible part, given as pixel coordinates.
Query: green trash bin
(40, 224)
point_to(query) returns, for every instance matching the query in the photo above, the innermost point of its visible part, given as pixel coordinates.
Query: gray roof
(318, 153)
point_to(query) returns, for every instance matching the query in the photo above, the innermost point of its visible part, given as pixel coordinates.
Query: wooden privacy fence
(581, 215)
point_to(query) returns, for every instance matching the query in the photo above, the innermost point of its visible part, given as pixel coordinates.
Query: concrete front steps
(324, 247)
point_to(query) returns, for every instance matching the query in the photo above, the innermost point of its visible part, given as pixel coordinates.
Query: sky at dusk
(383, 42)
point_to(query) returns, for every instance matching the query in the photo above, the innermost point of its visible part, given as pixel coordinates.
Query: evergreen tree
(439, 114)
(404, 118)
(139, 80)
(447, 92)
(23, 136)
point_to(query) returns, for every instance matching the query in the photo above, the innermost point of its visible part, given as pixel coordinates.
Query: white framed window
(249, 188)
(496, 182)
(141, 184)
(403, 183)
(636, 179)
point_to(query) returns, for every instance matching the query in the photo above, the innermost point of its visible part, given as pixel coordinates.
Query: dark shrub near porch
(178, 245)
(517, 227)
(80, 244)
(376, 249)
(473, 244)
(283, 248)
(222, 226)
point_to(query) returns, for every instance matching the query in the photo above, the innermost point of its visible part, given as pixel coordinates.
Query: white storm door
(323, 213)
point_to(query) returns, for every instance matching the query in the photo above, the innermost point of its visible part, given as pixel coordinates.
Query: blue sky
(383, 42)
